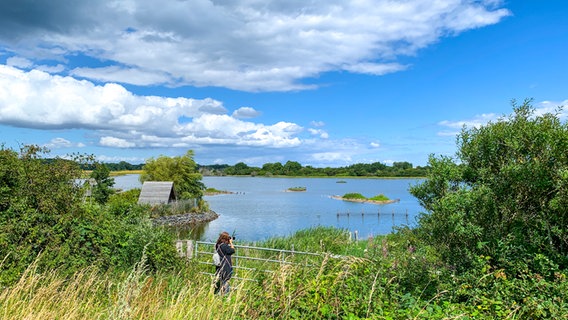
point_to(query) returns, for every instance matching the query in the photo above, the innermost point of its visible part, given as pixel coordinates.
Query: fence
(251, 259)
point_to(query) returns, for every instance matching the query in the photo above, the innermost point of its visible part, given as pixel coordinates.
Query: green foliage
(508, 196)
(103, 183)
(293, 168)
(44, 218)
(354, 195)
(379, 197)
(181, 170)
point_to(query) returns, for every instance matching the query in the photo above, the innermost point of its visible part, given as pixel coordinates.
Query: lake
(260, 208)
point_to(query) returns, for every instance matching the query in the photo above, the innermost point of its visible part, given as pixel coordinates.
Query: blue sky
(324, 83)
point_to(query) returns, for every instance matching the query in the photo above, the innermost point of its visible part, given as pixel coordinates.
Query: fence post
(179, 248)
(189, 249)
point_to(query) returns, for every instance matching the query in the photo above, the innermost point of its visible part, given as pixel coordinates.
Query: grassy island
(297, 189)
(357, 197)
(213, 191)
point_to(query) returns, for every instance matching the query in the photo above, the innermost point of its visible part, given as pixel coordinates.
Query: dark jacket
(225, 270)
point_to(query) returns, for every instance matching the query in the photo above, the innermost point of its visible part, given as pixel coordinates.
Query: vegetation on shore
(357, 197)
(213, 191)
(492, 244)
(295, 169)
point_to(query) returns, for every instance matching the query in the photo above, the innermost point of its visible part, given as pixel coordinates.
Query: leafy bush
(354, 196)
(380, 197)
(43, 214)
(506, 198)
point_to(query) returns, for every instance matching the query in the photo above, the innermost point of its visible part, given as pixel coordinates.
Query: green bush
(354, 196)
(506, 197)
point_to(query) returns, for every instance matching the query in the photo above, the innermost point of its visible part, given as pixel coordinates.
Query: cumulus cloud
(19, 62)
(39, 100)
(57, 143)
(456, 126)
(253, 46)
(245, 113)
(318, 132)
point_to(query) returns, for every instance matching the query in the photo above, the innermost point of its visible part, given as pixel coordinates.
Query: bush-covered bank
(388, 277)
(45, 212)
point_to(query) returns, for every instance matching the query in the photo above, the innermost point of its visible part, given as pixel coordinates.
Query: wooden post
(179, 248)
(189, 249)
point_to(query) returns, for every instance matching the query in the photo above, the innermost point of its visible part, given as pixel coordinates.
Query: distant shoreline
(365, 200)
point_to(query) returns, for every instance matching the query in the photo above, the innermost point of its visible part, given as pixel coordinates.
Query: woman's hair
(224, 237)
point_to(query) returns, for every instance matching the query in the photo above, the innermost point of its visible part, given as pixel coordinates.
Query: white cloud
(19, 62)
(331, 157)
(552, 107)
(242, 45)
(136, 76)
(245, 113)
(39, 100)
(51, 69)
(317, 123)
(116, 142)
(375, 145)
(318, 132)
(475, 122)
(56, 143)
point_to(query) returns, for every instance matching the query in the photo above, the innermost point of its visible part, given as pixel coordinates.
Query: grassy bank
(389, 277)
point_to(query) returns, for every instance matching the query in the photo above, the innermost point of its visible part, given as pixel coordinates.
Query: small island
(213, 192)
(357, 197)
(297, 189)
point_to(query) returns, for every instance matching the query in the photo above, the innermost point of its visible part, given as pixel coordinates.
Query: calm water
(260, 208)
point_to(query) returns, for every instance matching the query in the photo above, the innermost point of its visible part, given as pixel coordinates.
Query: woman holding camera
(223, 273)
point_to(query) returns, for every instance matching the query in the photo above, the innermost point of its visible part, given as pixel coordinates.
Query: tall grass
(384, 278)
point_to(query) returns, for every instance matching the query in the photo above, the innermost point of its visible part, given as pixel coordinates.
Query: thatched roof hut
(156, 192)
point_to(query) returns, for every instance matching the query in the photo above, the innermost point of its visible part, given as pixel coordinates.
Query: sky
(325, 83)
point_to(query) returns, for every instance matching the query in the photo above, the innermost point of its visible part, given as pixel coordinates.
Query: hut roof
(155, 192)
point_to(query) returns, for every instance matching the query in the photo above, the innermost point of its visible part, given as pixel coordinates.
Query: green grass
(297, 189)
(385, 277)
(358, 196)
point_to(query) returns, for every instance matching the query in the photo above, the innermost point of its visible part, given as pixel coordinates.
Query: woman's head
(224, 237)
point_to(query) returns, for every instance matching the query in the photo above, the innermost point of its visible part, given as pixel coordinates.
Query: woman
(223, 273)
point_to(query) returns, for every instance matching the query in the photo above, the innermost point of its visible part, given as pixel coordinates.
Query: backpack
(216, 259)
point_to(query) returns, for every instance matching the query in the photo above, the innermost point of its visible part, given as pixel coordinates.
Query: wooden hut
(157, 192)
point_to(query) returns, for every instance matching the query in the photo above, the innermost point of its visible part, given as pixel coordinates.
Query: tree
(181, 170)
(103, 186)
(506, 196)
(292, 168)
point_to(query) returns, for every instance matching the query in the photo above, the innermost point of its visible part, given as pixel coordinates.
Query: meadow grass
(386, 277)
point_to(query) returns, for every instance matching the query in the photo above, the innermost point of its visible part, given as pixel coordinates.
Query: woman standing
(223, 273)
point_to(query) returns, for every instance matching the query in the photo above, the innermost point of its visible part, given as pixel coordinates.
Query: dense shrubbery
(506, 199)
(44, 217)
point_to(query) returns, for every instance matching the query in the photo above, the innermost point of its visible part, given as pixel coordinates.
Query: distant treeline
(293, 168)
(122, 165)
